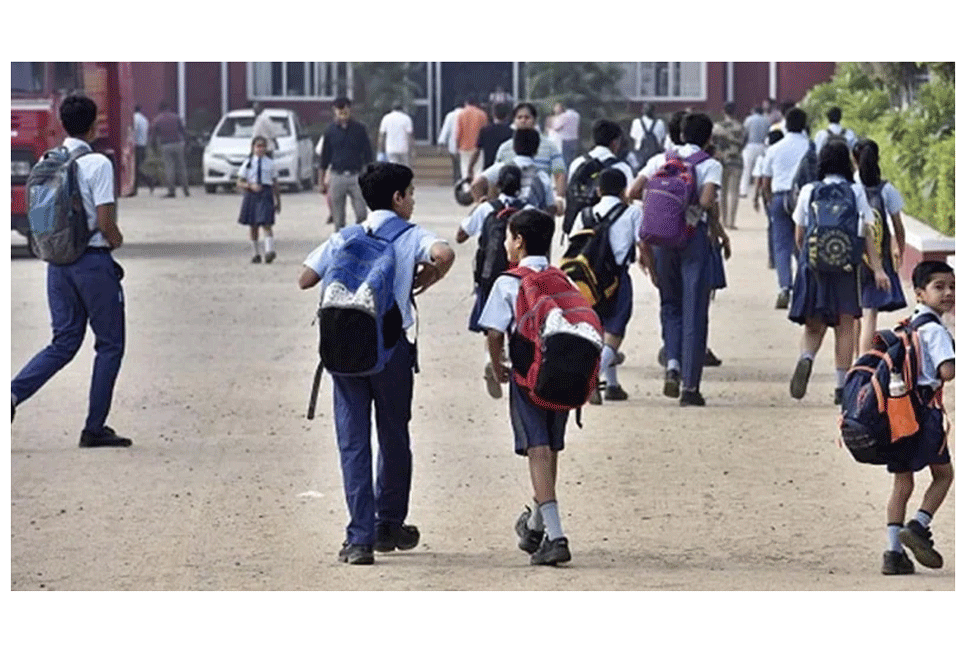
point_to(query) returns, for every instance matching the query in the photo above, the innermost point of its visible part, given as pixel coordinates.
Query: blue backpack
(359, 319)
(59, 232)
(832, 243)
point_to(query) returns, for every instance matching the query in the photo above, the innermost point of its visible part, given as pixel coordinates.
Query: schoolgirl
(258, 179)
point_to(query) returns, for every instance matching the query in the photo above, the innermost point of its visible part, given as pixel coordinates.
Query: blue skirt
(478, 304)
(258, 208)
(824, 297)
(882, 300)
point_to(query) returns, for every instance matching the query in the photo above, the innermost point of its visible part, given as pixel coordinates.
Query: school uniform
(930, 445)
(258, 207)
(531, 172)
(872, 296)
(602, 153)
(823, 135)
(87, 291)
(780, 164)
(532, 426)
(548, 157)
(641, 125)
(623, 237)
(391, 390)
(827, 296)
(684, 280)
(472, 225)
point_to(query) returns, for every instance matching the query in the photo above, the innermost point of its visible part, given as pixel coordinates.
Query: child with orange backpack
(555, 344)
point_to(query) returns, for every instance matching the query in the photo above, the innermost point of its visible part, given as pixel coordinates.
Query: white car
(231, 143)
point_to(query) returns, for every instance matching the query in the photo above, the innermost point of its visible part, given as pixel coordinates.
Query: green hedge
(916, 143)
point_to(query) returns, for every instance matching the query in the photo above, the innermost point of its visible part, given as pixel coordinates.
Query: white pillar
(730, 76)
(516, 82)
(773, 80)
(182, 100)
(224, 87)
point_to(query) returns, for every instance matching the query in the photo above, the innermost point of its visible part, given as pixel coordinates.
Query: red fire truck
(36, 92)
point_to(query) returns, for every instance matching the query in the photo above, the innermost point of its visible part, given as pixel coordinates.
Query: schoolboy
(683, 275)
(548, 157)
(526, 142)
(87, 290)
(615, 314)
(935, 286)
(538, 433)
(608, 137)
(376, 518)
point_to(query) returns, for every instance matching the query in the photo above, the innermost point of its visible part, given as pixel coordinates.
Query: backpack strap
(697, 158)
(613, 214)
(392, 229)
(923, 318)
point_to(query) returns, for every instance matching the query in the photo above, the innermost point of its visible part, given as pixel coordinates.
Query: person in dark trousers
(492, 135)
(346, 151)
(169, 137)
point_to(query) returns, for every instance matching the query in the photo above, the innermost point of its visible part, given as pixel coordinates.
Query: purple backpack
(670, 191)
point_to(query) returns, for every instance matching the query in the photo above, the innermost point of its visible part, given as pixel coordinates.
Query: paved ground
(228, 486)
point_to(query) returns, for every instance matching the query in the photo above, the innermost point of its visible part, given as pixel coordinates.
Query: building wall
(154, 82)
(751, 84)
(796, 79)
(203, 94)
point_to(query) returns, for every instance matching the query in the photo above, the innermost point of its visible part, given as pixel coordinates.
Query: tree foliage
(591, 88)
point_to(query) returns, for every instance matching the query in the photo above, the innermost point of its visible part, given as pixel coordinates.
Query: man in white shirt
(396, 136)
(447, 137)
(264, 127)
(756, 127)
(834, 129)
(566, 124)
(141, 128)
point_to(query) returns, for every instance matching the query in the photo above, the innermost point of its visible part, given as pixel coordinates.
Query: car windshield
(242, 127)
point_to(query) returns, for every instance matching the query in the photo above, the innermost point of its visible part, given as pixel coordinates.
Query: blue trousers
(392, 392)
(782, 239)
(684, 283)
(88, 290)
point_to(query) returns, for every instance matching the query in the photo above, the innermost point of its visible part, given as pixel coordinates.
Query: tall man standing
(469, 123)
(396, 135)
(345, 153)
(566, 123)
(169, 136)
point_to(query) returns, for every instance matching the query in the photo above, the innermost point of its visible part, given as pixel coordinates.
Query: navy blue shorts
(925, 448)
(617, 313)
(534, 426)
(478, 304)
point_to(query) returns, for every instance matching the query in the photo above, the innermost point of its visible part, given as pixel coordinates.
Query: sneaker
(783, 298)
(529, 538)
(837, 398)
(493, 386)
(551, 552)
(270, 256)
(355, 554)
(672, 383)
(662, 357)
(595, 398)
(710, 359)
(170, 194)
(919, 540)
(257, 258)
(689, 398)
(799, 381)
(106, 438)
(616, 393)
(897, 562)
(390, 537)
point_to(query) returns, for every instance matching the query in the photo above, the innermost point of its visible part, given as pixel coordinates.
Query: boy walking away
(380, 263)
(584, 171)
(555, 343)
(728, 137)
(83, 279)
(834, 131)
(535, 187)
(492, 136)
(648, 133)
(934, 283)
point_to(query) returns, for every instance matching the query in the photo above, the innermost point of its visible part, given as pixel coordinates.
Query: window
(66, 77)
(664, 80)
(298, 80)
(27, 78)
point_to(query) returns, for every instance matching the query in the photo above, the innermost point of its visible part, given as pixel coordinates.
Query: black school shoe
(390, 537)
(551, 552)
(710, 359)
(799, 383)
(672, 383)
(691, 398)
(615, 393)
(919, 540)
(529, 539)
(895, 563)
(106, 438)
(837, 396)
(355, 554)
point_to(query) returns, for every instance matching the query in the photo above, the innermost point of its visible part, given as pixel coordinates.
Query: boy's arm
(947, 370)
(278, 197)
(494, 344)
(441, 260)
(461, 236)
(107, 224)
(645, 258)
(308, 278)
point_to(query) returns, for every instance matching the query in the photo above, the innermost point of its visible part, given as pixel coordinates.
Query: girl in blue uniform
(257, 178)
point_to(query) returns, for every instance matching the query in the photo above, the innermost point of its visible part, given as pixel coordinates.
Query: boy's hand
(278, 208)
(725, 245)
(426, 275)
(882, 280)
(502, 372)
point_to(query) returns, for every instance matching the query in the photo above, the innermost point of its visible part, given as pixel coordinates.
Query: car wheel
(210, 188)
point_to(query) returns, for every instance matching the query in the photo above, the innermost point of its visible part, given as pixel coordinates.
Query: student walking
(535, 187)
(756, 127)
(258, 179)
(548, 157)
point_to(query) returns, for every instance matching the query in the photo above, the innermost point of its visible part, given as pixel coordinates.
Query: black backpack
(881, 403)
(806, 173)
(880, 231)
(832, 243)
(491, 259)
(582, 188)
(59, 232)
(589, 260)
(649, 145)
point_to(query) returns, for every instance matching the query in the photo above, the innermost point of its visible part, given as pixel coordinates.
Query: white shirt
(249, 170)
(500, 306)
(567, 124)
(759, 164)
(141, 127)
(263, 126)
(447, 133)
(936, 346)
(866, 216)
(531, 173)
(624, 233)
(397, 126)
(473, 224)
(95, 174)
(642, 124)
(602, 153)
(782, 158)
(412, 246)
(822, 136)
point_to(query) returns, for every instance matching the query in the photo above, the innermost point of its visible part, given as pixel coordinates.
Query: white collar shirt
(141, 128)
(497, 313)
(397, 126)
(473, 224)
(95, 175)
(642, 124)
(623, 233)
(602, 153)
(936, 347)
(822, 136)
(782, 158)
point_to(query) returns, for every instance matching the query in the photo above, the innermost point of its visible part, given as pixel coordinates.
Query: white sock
(840, 376)
(807, 355)
(551, 518)
(255, 247)
(923, 518)
(535, 522)
(269, 244)
(607, 357)
(674, 364)
(894, 544)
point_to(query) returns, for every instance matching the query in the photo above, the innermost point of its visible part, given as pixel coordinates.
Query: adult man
(548, 157)
(141, 128)
(447, 138)
(834, 129)
(396, 135)
(647, 122)
(469, 123)
(772, 111)
(728, 136)
(778, 171)
(345, 153)
(566, 123)
(492, 135)
(87, 290)
(263, 127)
(168, 136)
(756, 132)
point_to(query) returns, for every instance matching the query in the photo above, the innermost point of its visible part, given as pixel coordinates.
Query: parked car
(231, 142)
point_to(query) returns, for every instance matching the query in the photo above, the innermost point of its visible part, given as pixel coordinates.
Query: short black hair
(730, 109)
(501, 111)
(696, 129)
(526, 141)
(648, 109)
(137, 107)
(380, 182)
(835, 159)
(471, 98)
(674, 126)
(341, 102)
(834, 115)
(759, 110)
(77, 113)
(924, 270)
(606, 131)
(795, 120)
(775, 135)
(528, 106)
(536, 229)
(509, 179)
(611, 182)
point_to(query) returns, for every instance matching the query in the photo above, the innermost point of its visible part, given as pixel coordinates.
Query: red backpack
(555, 350)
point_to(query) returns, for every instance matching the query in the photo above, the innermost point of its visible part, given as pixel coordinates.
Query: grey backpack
(59, 232)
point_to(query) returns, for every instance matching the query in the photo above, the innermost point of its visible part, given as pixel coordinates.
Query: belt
(345, 173)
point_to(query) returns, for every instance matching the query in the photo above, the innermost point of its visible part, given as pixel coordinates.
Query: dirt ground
(229, 487)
